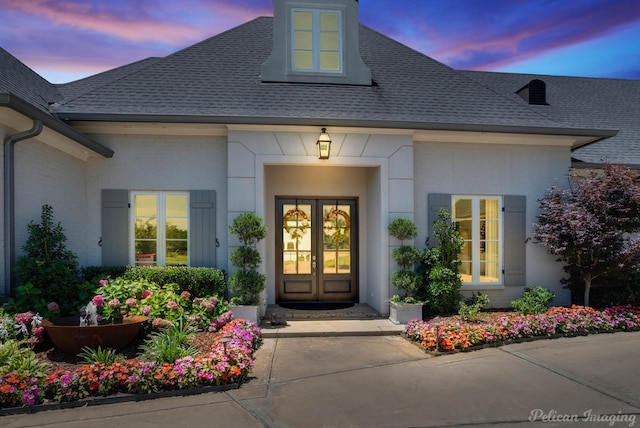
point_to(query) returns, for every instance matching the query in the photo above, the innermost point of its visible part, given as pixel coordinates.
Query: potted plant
(246, 283)
(403, 308)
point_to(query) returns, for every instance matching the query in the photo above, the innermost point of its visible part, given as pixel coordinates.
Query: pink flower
(160, 323)
(53, 306)
(38, 331)
(146, 310)
(114, 303)
(132, 302)
(24, 318)
(146, 293)
(172, 305)
(185, 295)
(98, 300)
(103, 282)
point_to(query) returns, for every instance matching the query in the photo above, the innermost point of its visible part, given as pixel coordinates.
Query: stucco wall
(496, 170)
(158, 163)
(377, 165)
(44, 175)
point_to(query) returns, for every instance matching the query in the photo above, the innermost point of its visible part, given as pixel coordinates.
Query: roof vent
(534, 93)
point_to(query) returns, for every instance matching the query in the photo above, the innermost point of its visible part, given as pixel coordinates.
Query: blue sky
(64, 40)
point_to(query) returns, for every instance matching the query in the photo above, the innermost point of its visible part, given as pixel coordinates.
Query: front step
(332, 328)
(356, 312)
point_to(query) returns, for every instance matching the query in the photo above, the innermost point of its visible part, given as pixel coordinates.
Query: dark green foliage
(248, 228)
(169, 345)
(99, 355)
(95, 273)
(533, 301)
(47, 266)
(246, 282)
(247, 257)
(438, 268)
(470, 307)
(247, 285)
(406, 256)
(199, 281)
(403, 229)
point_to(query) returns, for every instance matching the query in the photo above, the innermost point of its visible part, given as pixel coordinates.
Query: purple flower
(53, 306)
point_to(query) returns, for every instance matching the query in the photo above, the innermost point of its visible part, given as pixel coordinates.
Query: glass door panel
(296, 237)
(317, 255)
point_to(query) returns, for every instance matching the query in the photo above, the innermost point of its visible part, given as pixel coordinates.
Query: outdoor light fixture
(324, 145)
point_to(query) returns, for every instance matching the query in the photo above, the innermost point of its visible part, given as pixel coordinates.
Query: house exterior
(148, 163)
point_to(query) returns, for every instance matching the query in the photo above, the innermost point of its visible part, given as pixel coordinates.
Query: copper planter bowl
(67, 335)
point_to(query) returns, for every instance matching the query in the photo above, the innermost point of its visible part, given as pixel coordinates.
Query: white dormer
(316, 42)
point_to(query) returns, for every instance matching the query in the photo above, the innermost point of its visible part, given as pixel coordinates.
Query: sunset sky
(64, 40)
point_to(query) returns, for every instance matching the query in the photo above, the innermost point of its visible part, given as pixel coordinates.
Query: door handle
(313, 267)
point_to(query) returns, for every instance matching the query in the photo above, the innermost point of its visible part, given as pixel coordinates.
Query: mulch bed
(58, 360)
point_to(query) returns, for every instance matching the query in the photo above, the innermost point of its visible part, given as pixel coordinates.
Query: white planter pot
(402, 313)
(246, 312)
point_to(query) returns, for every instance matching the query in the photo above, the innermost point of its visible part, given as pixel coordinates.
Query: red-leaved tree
(591, 226)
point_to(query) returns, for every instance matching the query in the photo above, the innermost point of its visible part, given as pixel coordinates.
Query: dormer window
(316, 40)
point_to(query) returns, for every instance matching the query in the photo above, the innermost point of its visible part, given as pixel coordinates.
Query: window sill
(480, 287)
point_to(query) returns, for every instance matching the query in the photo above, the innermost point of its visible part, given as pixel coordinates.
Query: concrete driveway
(385, 381)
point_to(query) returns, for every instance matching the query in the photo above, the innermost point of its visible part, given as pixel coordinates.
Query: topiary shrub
(247, 283)
(405, 256)
(533, 301)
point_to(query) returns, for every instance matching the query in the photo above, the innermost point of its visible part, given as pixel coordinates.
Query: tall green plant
(247, 283)
(439, 267)
(405, 256)
(47, 266)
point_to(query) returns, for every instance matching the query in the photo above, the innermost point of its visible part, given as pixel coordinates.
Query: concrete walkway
(385, 381)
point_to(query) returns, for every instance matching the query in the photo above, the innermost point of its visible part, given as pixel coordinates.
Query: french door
(316, 246)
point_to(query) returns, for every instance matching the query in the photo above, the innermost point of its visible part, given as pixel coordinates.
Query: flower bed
(446, 336)
(229, 360)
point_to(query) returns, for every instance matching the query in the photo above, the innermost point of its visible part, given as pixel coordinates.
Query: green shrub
(16, 356)
(246, 282)
(95, 273)
(49, 268)
(199, 281)
(169, 345)
(403, 229)
(470, 307)
(438, 267)
(405, 256)
(533, 301)
(99, 355)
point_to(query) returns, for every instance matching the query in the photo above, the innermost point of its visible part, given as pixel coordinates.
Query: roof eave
(21, 106)
(594, 134)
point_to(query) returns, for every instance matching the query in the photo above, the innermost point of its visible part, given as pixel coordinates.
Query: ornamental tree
(589, 227)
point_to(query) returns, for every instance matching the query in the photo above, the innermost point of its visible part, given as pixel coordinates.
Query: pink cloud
(84, 16)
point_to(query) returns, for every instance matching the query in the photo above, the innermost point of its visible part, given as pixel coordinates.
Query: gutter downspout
(9, 200)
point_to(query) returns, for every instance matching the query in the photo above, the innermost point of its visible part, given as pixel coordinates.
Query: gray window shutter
(115, 227)
(515, 230)
(202, 228)
(435, 202)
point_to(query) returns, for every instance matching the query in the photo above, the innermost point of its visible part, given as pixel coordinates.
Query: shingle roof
(77, 88)
(18, 79)
(218, 80)
(583, 102)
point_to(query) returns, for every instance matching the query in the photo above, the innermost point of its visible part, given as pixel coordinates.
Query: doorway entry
(316, 247)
